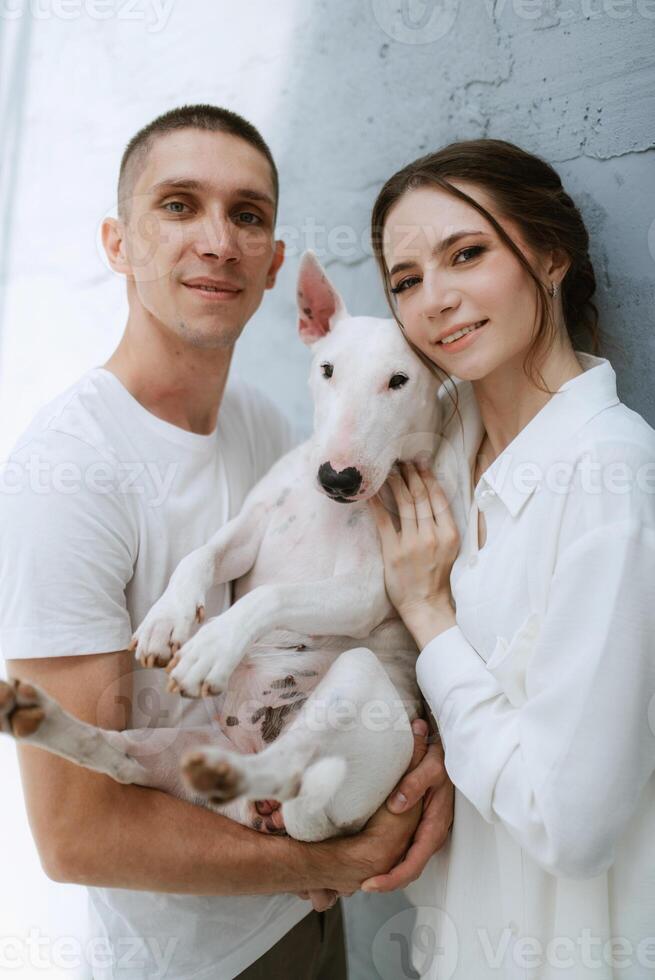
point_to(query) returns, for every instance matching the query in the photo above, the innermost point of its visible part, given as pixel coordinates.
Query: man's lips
(213, 289)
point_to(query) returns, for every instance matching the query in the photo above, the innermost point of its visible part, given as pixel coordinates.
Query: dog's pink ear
(318, 300)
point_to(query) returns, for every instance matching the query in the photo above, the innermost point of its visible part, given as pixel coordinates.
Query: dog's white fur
(316, 670)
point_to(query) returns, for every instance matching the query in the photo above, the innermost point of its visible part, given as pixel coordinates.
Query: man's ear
(276, 264)
(113, 240)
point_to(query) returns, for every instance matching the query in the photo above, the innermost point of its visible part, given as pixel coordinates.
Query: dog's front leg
(347, 605)
(230, 553)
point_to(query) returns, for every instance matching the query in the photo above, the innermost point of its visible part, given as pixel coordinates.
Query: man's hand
(344, 863)
(428, 781)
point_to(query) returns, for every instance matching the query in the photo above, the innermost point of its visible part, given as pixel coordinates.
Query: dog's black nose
(340, 485)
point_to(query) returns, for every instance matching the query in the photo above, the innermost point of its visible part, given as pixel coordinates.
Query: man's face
(199, 235)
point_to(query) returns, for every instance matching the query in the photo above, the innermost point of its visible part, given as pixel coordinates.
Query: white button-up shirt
(544, 694)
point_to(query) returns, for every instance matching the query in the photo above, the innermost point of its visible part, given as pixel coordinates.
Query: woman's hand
(418, 559)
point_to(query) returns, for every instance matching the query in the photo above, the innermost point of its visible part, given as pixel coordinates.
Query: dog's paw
(266, 817)
(214, 774)
(22, 708)
(167, 627)
(204, 665)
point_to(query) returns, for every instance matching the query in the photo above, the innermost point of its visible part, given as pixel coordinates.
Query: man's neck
(178, 383)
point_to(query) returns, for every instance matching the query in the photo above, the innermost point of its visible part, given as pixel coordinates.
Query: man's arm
(91, 830)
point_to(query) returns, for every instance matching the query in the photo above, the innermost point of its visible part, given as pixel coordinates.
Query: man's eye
(398, 380)
(175, 207)
(328, 370)
(405, 284)
(249, 218)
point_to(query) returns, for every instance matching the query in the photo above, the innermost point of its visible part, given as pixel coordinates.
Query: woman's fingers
(420, 494)
(439, 502)
(404, 500)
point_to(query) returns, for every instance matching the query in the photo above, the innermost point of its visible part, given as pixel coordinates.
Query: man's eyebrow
(443, 246)
(191, 184)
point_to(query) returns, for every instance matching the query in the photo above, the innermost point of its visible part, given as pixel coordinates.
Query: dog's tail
(321, 780)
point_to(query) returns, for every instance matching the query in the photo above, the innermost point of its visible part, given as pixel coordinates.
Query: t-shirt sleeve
(272, 434)
(67, 551)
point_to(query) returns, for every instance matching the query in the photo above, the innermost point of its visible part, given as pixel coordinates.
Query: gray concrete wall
(372, 85)
(346, 91)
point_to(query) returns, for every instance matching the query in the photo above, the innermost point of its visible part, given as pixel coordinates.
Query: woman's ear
(557, 265)
(113, 240)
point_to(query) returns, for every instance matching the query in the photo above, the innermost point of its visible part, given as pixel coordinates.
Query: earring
(554, 289)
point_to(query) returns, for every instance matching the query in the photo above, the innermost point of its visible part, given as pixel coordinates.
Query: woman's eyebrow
(443, 246)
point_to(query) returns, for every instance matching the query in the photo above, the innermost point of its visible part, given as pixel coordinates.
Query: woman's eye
(469, 253)
(175, 207)
(405, 284)
(398, 380)
(328, 370)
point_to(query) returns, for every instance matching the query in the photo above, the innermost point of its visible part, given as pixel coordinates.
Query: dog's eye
(398, 380)
(327, 369)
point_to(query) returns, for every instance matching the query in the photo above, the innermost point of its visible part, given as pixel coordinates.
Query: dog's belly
(270, 686)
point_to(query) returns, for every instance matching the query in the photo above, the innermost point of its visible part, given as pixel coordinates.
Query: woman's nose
(438, 296)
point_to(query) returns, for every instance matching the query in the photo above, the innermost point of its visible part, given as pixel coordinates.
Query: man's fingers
(404, 873)
(322, 899)
(429, 773)
(420, 731)
(430, 837)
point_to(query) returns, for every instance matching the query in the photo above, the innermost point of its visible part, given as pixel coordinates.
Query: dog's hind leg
(31, 716)
(334, 766)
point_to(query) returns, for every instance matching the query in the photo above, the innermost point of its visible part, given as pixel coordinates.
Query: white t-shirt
(99, 501)
(544, 693)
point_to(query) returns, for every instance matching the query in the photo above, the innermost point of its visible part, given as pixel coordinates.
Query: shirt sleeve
(67, 549)
(564, 770)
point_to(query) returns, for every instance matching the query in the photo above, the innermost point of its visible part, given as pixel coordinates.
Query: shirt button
(513, 928)
(473, 560)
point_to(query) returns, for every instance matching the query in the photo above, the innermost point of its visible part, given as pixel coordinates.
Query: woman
(542, 681)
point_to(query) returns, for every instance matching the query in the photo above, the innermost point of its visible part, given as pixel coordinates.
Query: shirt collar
(516, 473)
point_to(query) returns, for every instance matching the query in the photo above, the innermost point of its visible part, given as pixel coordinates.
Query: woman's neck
(508, 399)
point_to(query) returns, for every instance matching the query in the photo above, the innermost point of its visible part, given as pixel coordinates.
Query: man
(159, 450)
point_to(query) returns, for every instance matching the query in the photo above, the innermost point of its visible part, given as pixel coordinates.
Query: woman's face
(450, 271)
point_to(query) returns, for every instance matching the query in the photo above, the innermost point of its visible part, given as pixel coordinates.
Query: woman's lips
(464, 341)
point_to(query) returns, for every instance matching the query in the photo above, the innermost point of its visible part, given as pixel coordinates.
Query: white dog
(315, 669)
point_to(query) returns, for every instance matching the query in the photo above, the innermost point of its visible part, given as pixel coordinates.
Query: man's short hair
(210, 118)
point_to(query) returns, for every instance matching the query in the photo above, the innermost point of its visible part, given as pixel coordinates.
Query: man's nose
(217, 237)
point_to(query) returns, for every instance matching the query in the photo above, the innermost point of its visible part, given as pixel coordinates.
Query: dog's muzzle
(341, 486)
